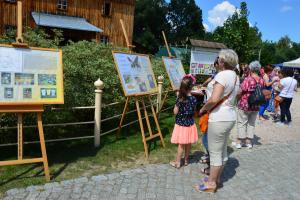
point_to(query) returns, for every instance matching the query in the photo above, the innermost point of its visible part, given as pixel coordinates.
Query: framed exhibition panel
(174, 70)
(136, 74)
(30, 76)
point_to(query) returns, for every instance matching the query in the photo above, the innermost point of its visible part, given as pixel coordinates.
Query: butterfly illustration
(135, 62)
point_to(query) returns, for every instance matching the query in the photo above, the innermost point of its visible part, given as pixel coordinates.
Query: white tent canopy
(292, 63)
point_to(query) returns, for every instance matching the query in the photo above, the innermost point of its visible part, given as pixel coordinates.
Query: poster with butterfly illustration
(175, 71)
(136, 74)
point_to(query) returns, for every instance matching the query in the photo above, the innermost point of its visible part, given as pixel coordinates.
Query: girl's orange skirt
(184, 134)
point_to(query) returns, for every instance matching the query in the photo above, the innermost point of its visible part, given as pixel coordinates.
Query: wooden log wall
(89, 9)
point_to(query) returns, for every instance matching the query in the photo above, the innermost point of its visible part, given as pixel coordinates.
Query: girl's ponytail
(186, 86)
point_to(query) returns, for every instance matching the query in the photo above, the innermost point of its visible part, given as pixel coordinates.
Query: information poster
(175, 71)
(30, 76)
(202, 62)
(136, 73)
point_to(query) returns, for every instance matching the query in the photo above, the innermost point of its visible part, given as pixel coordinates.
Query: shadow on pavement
(230, 169)
(256, 140)
(196, 156)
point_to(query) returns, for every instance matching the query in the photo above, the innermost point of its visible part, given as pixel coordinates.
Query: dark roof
(67, 22)
(207, 44)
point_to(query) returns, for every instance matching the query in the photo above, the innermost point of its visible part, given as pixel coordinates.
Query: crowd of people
(237, 95)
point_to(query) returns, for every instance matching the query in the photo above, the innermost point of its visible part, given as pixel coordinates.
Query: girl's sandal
(175, 164)
(204, 188)
(186, 162)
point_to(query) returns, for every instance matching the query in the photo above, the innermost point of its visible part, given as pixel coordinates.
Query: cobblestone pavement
(264, 172)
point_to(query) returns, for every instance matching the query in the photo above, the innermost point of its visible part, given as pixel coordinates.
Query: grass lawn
(74, 159)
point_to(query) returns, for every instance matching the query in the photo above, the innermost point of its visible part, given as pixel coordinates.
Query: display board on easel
(135, 73)
(30, 78)
(174, 70)
(138, 81)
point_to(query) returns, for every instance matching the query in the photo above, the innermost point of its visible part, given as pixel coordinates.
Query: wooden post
(19, 38)
(43, 146)
(98, 103)
(141, 125)
(159, 94)
(130, 46)
(166, 43)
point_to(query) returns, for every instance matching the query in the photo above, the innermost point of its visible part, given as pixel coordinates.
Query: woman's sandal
(205, 170)
(219, 184)
(204, 188)
(262, 118)
(175, 164)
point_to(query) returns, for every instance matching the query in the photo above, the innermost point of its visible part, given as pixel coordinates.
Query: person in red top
(247, 114)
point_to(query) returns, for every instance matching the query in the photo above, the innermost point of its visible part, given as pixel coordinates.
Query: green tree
(185, 18)
(277, 52)
(268, 52)
(284, 50)
(238, 35)
(150, 20)
(296, 47)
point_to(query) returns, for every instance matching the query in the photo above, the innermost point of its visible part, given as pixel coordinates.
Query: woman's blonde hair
(229, 57)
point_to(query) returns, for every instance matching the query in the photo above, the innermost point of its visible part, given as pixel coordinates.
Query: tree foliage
(150, 20)
(281, 51)
(238, 35)
(185, 18)
(36, 37)
(179, 19)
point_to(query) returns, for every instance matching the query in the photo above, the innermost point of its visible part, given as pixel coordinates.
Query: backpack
(257, 97)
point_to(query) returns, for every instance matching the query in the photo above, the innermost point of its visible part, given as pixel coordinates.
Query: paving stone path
(264, 172)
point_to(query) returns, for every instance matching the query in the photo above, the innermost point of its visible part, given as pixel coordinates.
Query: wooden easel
(140, 100)
(26, 108)
(170, 56)
(38, 109)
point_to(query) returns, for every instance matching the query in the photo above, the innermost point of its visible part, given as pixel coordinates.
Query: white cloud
(206, 27)
(286, 8)
(218, 15)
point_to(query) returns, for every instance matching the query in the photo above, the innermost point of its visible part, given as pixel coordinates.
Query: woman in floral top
(247, 114)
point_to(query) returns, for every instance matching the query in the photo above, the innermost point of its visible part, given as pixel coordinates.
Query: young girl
(185, 131)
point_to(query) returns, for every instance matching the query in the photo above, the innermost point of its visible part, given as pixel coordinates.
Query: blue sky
(274, 18)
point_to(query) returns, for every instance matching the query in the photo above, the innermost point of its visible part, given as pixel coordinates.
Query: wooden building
(79, 19)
